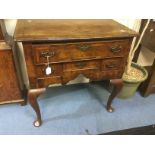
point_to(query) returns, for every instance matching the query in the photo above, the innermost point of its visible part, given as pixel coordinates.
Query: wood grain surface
(62, 29)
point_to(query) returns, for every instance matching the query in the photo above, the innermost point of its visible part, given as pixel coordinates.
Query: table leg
(33, 94)
(117, 86)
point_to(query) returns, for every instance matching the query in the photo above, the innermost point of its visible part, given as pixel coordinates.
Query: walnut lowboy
(78, 48)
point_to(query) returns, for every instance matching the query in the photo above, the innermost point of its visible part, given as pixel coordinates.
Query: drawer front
(56, 70)
(79, 51)
(81, 65)
(111, 64)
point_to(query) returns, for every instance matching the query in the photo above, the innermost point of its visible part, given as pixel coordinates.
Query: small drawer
(56, 70)
(111, 64)
(81, 65)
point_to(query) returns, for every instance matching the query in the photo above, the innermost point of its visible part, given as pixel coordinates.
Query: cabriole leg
(33, 94)
(117, 86)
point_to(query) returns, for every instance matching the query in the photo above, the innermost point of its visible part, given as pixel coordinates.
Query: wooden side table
(57, 51)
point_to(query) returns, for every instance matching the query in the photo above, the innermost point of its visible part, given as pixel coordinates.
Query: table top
(70, 29)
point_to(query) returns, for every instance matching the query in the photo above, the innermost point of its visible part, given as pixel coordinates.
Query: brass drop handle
(47, 54)
(83, 47)
(80, 64)
(116, 48)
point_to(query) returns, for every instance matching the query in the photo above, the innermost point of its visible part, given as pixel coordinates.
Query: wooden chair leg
(117, 86)
(33, 94)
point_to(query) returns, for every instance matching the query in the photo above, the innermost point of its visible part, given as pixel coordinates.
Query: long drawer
(78, 51)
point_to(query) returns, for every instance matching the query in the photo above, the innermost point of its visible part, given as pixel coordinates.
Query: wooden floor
(145, 130)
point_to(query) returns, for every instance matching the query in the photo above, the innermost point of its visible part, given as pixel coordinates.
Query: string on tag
(48, 68)
(48, 61)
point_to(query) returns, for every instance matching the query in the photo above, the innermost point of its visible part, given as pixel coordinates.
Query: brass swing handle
(47, 54)
(83, 47)
(116, 49)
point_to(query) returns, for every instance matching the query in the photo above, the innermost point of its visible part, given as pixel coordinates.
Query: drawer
(56, 70)
(79, 51)
(111, 64)
(81, 65)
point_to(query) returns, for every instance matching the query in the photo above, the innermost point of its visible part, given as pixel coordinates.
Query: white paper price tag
(48, 70)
